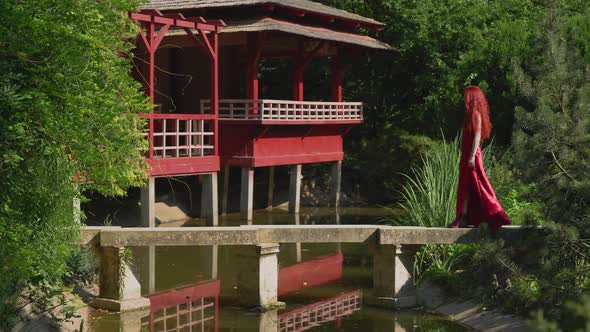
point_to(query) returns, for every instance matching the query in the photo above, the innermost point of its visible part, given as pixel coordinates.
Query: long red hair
(476, 103)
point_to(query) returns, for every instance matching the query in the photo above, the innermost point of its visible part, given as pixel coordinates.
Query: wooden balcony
(286, 112)
(181, 144)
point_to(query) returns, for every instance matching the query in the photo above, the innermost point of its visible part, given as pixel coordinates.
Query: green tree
(67, 107)
(443, 45)
(552, 152)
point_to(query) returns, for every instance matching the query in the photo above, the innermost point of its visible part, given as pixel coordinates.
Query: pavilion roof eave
(270, 24)
(300, 5)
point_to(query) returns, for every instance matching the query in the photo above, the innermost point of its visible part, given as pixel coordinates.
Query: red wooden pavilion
(211, 112)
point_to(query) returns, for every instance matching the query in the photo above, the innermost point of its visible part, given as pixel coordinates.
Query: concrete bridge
(393, 250)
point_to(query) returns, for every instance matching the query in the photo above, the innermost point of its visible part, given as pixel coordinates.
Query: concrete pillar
(294, 188)
(131, 320)
(271, 187)
(393, 286)
(152, 269)
(269, 321)
(77, 210)
(214, 261)
(258, 278)
(225, 190)
(336, 176)
(148, 203)
(247, 194)
(209, 199)
(119, 290)
(295, 248)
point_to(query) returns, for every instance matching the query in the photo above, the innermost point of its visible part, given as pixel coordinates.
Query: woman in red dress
(476, 200)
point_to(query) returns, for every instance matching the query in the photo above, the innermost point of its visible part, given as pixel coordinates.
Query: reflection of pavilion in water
(197, 307)
(318, 313)
(191, 308)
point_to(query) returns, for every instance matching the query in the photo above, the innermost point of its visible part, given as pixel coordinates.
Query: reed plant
(429, 196)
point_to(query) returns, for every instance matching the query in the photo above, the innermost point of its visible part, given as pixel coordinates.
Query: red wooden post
(336, 79)
(298, 69)
(252, 66)
(151, 85)
(215, 89)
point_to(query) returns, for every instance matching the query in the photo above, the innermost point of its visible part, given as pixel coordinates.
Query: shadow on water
(197, 288)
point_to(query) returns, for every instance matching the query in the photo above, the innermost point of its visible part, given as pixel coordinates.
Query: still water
(322, 285)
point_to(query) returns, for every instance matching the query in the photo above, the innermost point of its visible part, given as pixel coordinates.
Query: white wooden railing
(181, 135)
(285, 110)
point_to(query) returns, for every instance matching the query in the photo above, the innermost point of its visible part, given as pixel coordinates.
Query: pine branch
(560, 167)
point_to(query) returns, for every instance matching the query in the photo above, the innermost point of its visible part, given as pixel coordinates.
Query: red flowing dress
(483, 205)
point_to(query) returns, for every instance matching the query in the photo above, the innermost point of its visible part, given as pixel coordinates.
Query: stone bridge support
(258, 279)
(393, 284)
(119, 290)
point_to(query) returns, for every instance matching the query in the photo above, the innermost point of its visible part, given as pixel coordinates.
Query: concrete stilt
(77, 210)
(336, 178)
(247, 194)
(294, 188)
(209, 199)
(297, 245)
(131, 320)
(269, 321)
(152, 269)
(214, 261)
(148, 203)
(393, 286)
(259, 276)
(119, 290)
(271, 187)
(225, 190)
(204, 197)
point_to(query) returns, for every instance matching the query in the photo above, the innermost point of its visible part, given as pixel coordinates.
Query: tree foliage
(442, 47)
(66, 112)
(551, 152)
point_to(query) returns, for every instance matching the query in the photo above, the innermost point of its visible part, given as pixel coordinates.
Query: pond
(322, 285)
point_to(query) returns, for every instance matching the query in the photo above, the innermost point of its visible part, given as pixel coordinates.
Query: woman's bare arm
(476, 140)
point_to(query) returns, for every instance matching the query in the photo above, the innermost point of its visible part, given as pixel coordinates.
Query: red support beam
(151, 82)
(300, 61)
(214, 76)
(255, 44)
(298, 70)
(337, 74)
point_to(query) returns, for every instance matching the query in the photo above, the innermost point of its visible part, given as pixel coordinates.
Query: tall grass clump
(430, 193)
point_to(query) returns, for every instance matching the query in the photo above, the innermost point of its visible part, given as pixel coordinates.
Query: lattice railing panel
(316, 314)
(285, 110)
(182, 135)
(197, 315)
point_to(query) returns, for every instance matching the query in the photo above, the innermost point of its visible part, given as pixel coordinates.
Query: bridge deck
(252, 235)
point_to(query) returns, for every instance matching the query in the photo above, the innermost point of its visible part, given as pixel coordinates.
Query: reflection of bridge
(320, 312)
(190, 308)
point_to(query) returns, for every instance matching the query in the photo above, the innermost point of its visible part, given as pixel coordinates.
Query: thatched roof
(305, 5)
(269, 24)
